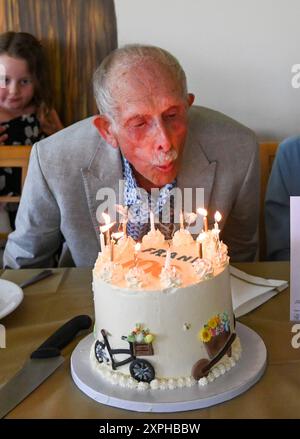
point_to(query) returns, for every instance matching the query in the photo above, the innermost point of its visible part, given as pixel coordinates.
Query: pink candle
(112, 245)
(102, 241)
(203, 212)
(200, 251)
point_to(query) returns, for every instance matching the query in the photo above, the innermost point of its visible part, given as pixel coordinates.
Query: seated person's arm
(283, 182)
(240, 233)
(37, 237)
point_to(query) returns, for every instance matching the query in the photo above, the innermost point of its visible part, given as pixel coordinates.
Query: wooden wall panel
(77, 34)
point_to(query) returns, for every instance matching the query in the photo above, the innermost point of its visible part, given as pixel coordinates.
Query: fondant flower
(216, 325)
(213, 323)
(205, 335)
(149, 338)
(139, 334)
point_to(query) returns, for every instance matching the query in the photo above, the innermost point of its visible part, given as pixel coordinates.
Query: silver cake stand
(240, 378)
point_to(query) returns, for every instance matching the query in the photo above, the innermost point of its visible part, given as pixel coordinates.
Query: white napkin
(248, 292)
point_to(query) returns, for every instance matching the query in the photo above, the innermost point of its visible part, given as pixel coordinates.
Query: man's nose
(162, 137)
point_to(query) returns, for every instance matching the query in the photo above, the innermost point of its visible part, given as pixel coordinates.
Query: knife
(36, 278)
(42, 363)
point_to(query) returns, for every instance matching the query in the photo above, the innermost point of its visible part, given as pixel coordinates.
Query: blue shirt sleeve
(284, 182)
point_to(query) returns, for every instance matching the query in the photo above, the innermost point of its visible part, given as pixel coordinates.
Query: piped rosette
(154, 238)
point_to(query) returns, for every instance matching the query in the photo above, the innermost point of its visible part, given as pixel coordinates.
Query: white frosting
(124, 248)
(221, 257)
(111, 272)
(170, 278)
(203, 268)
(224, 365)
(182, 238)
(154, 238)
(135, 277)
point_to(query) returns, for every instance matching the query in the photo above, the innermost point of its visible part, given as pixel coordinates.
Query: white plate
(11, 295)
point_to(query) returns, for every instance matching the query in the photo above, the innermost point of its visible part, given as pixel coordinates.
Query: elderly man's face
(151, 123)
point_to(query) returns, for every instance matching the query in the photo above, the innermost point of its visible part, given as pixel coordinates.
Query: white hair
(127, 57)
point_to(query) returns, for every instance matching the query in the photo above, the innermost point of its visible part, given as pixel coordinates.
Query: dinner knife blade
(32, 374)
(41, 364)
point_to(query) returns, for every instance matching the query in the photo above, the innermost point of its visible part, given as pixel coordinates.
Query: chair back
(15, 157)
(267, 155)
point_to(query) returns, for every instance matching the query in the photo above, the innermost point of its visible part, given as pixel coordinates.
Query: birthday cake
(163, 311)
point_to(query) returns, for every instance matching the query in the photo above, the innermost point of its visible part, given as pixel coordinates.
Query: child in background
(26, 113)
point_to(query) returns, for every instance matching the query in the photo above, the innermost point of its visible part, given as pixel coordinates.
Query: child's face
(19, 87)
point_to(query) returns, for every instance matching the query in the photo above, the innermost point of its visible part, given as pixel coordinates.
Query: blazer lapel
(102, 182)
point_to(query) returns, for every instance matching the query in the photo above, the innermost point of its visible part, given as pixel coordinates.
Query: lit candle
(168, 260)
(200, 251)
(102, 241)
(117, 235)
(106, 228)
(218, 218)
(200, 241)
(137, 249)
(112, 245)
(152, 224)
(123, 211)
(203, 212)
(181, 220)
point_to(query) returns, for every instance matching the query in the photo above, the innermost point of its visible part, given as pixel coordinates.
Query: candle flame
(190, 217)
(201, 237)
(106, 218)
(105, 228)
(117, 235)
(137, 247)
(202, 211)
(218, 216)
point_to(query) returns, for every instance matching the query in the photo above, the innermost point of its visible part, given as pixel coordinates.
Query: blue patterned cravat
(141, 202)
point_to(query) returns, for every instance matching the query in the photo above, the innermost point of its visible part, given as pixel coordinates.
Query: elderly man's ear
(190, 99)
(104, 127)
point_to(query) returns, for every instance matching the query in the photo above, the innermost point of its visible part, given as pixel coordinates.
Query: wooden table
(51, 302)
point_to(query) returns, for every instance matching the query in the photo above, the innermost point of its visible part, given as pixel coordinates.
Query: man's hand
(3, 136)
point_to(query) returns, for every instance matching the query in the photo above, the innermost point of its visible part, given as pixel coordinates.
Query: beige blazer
(67, 169)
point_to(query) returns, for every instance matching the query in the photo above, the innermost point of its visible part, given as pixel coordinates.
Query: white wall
(237, 54)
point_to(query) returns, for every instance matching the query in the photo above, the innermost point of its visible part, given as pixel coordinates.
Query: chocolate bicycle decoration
(140, 344)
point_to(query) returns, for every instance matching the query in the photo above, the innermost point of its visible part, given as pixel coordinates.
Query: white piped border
(121, 379)
(247, 372)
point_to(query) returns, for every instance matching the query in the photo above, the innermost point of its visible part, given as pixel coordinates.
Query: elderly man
(148, 134)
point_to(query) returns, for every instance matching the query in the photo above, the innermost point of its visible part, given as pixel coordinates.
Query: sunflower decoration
(215, 326)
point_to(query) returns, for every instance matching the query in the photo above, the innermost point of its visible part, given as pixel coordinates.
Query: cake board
(237, 380)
